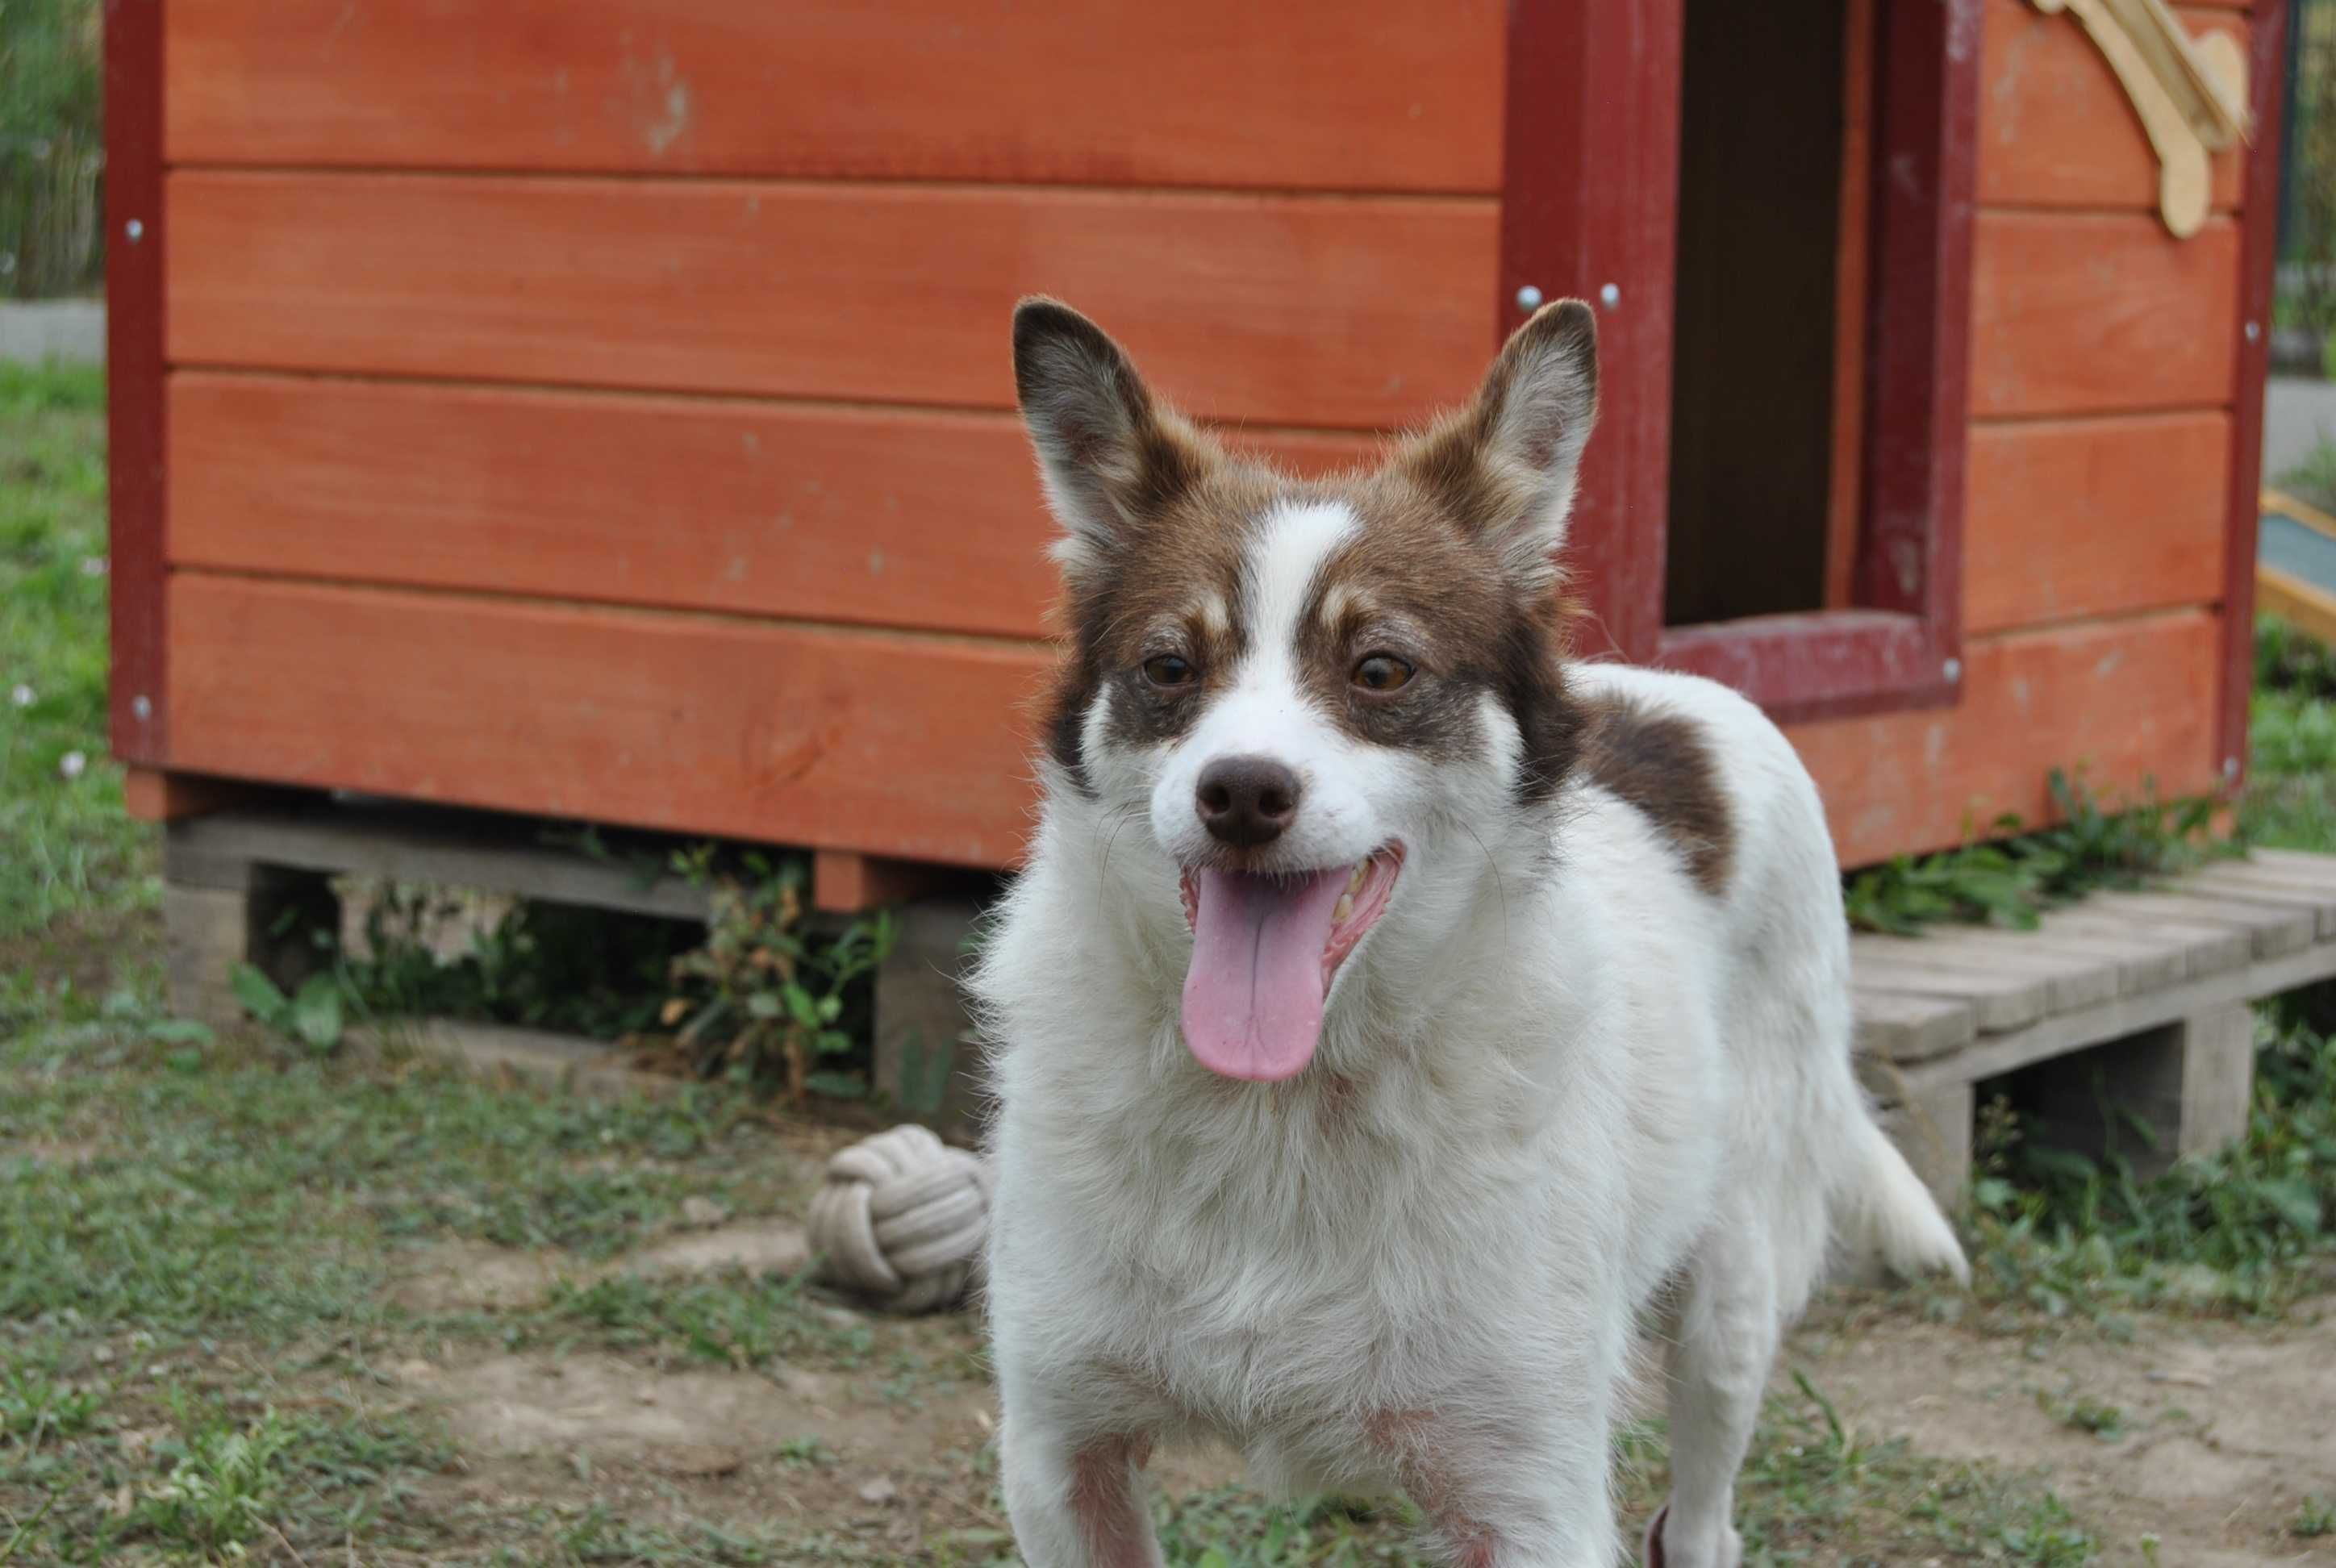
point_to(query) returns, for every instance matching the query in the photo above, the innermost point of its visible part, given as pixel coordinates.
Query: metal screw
(1610, 297)
(143, 706)
(2254, 330)
(2230, 767)
(1528, 297)
(135, 229)
(1953, 669)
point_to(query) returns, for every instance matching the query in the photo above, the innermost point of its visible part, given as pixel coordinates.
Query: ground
(263, 1303)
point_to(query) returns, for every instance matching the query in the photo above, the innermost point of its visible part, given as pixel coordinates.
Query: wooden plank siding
(534, 443)
(1390, 96)
(1363, 312)
(876, 516)
(2089, 516)
(2056, 128)
(2104, 380)
(916, 745)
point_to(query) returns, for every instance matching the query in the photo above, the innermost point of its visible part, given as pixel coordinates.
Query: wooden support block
(221, 909)
(270, 920)
(2071, 979)
(2272, 930)
(152, 795)
(1896, 1028)
(1933, 1128)
(926, 1062)
(2188, 1083)
(2000, 1001)
(845, 883)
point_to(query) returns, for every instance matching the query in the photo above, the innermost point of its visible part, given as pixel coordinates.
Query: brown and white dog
(1391, 1009)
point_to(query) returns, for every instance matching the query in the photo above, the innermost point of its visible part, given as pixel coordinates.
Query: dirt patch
(479, 1276)
(2207, 1435)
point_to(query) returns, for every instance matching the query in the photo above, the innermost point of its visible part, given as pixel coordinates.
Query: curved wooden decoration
(2191, 94)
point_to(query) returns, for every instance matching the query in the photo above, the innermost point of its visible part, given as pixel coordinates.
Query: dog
(1391, 1010)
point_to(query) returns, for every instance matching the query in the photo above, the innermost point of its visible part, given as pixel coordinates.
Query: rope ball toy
(902, 1219)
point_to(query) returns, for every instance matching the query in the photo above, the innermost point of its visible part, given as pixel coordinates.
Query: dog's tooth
(1354, 882)
(1344, 908)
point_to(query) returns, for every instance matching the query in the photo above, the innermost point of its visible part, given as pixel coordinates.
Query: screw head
(142, 706)
(1528, 297)
(135, 229)
(1610, 296)
(1952, 670)
(2230, 767)
(2254, 330)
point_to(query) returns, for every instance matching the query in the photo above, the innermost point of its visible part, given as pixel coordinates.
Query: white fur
(1557, 1083)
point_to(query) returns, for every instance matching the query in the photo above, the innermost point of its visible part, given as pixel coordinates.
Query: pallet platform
(2148, 993)
(2136, 1000)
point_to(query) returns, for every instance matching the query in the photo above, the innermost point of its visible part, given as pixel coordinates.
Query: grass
(65, 843)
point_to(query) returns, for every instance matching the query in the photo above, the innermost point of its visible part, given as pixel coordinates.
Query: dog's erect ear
(1506, 466)
(1111, 457)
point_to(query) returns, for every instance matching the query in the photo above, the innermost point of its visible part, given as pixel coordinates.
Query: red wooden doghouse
(601, 408)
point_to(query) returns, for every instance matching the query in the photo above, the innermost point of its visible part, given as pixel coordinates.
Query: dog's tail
(1886, 1209)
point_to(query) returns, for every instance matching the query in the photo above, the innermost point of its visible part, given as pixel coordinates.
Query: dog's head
(1311, 696)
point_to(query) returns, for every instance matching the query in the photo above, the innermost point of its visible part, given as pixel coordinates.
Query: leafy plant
(224, 1481)
(313, 1014)
(2011, 881)
(2314, 1516)
(765, 998)
(2058, 1232)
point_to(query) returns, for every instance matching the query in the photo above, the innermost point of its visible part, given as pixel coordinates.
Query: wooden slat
(2272, 930)
(914, 747)
(2128, 700)
(2056, 128)
(2071, 518)
(878, 516)
(1899, 1028)
(1996, 1001)
(1320, 311)
(2084, 313)
(2193, 950)
(1376, 95)
(2264, 885)
(2070, 979)
(2001, 1053)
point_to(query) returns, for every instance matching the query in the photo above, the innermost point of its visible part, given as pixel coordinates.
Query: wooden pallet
(252, 881)
(2137, 1000)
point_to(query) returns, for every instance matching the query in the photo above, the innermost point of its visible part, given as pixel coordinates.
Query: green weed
(2314, 1516)
(2011, 881)
(2244, 1229)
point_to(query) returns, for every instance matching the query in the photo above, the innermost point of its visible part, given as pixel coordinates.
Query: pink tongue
(1253, 996)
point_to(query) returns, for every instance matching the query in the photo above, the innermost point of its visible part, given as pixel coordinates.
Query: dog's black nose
(1246, 801)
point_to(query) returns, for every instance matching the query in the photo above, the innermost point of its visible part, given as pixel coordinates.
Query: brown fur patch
(1431, 576)
(1412, 583)
(1659, 764)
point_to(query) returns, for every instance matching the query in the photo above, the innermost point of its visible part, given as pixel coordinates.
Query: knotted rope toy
(902, 1219)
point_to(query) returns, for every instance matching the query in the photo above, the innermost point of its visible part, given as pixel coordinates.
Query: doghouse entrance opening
(1768, 391)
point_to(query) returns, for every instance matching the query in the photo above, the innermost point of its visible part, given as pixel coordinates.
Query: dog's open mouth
(1264, 950)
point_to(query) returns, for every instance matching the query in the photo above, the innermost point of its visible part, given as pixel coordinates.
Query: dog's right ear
(1111, 457)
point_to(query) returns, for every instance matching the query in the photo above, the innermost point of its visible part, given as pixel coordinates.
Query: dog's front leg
(1527, 1490)
(1075, 1502)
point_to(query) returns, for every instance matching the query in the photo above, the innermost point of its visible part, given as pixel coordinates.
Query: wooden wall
(2104, 381)
(603, 406)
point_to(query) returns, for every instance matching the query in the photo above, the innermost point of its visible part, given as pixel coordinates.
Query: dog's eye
(1382, 672)
(1168, 670)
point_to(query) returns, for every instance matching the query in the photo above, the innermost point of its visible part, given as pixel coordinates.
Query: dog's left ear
(1505, 466)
